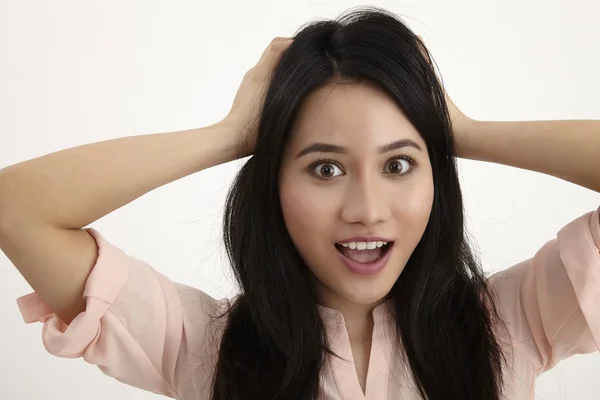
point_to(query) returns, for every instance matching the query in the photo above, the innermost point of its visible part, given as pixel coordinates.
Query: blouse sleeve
(550, 302)
(138, 326)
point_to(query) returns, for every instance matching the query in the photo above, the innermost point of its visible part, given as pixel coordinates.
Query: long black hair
(274, 343)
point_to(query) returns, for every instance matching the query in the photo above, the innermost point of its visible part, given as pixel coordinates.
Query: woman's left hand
(547, 147)
(460, 122)
(461, 126)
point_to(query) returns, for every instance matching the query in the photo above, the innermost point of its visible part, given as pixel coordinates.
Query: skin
(364, 193)
(362, 200)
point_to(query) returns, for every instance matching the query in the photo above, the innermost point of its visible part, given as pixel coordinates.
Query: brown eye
(327, 170)
(398, 166)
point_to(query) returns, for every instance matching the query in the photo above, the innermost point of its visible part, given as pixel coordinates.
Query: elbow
(3, 202)
(8, 209)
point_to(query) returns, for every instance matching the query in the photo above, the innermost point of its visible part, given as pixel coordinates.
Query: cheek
(413, 205)
(305, 212)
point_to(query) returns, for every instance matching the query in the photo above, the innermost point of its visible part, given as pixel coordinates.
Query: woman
(344, 230)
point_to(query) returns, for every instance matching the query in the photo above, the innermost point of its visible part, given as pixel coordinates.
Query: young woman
(345, 230)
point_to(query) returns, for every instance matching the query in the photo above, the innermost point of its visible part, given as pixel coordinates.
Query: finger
(281, 39)
(276, 50)
(423, 48)
(276, 46)
(281, 44)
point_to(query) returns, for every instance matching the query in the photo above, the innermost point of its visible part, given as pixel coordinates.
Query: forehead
(362, 114)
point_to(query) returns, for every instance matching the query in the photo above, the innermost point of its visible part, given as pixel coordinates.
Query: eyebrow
(332, 148)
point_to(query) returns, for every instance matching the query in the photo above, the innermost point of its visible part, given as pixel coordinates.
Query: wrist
(237, 136)
(466, 134)
(230, 134)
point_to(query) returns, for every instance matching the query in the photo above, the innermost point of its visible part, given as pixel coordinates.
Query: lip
(366, 269)
(365, 239)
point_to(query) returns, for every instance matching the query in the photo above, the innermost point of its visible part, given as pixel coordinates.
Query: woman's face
(352, 172)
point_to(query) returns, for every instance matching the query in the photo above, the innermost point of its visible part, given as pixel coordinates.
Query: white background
(75, 72)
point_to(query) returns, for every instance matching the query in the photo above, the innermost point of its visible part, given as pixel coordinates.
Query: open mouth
(364, 253)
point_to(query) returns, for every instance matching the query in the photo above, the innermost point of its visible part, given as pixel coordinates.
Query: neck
(358, 318)
(359, 327)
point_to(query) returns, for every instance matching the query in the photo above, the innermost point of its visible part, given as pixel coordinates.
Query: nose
(366, 202)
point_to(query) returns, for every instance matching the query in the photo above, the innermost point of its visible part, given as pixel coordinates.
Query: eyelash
(405, 157)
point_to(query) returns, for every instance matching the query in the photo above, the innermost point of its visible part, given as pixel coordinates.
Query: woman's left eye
(398, 166)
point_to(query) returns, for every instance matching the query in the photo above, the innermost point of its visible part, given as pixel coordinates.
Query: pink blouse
(149, 332)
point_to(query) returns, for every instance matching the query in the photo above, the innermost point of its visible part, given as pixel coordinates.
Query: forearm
(569, 150)
(74, 187)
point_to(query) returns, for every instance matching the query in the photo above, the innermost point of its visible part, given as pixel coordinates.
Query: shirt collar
(381, 313)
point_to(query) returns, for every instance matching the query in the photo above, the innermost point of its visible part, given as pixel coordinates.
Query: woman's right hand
(247, 105)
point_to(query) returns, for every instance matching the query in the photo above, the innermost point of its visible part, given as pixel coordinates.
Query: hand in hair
(460, 121)
(460, 124)
(245, 111)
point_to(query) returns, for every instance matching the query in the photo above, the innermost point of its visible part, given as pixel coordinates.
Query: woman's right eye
(327, 170)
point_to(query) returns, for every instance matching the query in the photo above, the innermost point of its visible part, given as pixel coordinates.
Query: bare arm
(44, 202)
(568, 149)
(74, 187)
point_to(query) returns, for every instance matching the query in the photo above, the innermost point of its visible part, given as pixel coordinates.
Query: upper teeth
(363, 245)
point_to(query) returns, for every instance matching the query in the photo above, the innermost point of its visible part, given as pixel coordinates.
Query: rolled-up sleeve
(551, 302)
(138, 327)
